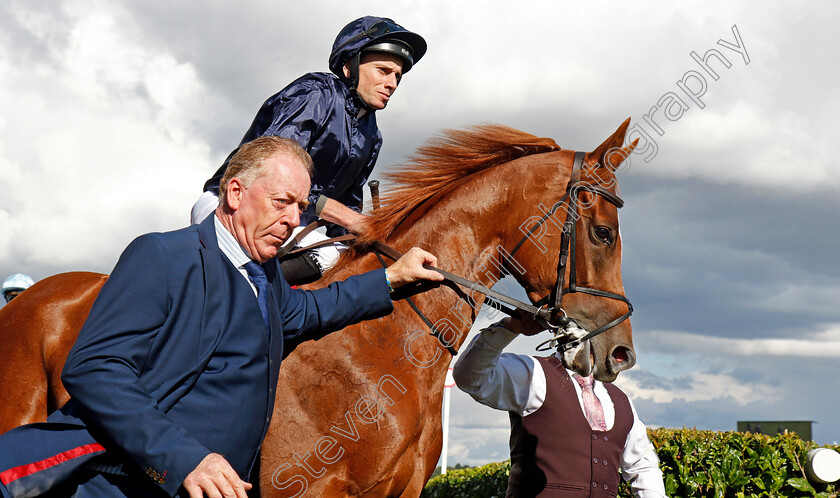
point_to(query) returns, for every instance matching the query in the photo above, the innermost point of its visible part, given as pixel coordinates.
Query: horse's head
(593, 295)
(501, 189)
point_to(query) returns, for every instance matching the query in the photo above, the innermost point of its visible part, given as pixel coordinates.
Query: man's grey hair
(247, 163)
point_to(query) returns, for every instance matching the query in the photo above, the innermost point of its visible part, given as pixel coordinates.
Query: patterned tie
(256, 274)
(591, 404)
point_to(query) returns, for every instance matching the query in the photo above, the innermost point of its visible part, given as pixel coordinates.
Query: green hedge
(694, 464)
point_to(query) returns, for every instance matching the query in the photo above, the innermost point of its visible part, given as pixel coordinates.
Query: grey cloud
(802, 394)
(703, 257)
(29, 47)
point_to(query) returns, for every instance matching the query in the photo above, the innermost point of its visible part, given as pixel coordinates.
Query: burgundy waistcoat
(554, 452)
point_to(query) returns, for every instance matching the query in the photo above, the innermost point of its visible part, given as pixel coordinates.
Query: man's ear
(346, 70)
(235, 190)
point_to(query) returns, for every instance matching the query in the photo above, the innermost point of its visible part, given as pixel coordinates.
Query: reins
(505, 303)
(500, 300)
(289, 248)
(434, 331)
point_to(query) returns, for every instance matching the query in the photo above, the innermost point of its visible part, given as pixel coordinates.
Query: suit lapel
(216, 288)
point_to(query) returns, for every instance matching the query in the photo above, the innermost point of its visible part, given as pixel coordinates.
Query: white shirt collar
(229, 246)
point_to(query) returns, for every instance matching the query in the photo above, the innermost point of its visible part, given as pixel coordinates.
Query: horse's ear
(611, 148)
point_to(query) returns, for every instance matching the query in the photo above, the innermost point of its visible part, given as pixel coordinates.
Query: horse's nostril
(620, 355)
(622, 358)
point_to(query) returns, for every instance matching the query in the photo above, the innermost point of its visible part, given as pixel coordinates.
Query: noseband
(568, 252)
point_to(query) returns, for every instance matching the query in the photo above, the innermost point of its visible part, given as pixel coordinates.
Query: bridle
(568, 253)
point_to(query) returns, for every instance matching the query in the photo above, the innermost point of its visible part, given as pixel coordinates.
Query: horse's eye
(603, 233)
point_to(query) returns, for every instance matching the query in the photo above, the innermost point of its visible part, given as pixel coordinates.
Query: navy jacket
(319, 112)
(164, 372)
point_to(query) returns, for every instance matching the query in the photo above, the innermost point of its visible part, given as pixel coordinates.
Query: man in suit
(568, 437)
(172, 377)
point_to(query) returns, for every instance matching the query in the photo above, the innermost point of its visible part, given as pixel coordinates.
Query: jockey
(333, 117)
(15, 284)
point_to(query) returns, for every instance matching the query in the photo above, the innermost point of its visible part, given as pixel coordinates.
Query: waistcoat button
(594, 484)
(594, 460)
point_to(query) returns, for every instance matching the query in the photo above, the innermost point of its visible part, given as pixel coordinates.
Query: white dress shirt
(516, 383)
(233, 251)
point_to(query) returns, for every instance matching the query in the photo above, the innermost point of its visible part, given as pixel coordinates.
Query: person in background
(333, 117)
(15, 284)
(570, 435)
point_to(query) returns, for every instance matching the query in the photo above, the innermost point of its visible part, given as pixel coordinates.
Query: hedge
(694, 463)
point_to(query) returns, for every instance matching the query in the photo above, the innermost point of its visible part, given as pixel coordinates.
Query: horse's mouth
(586, 357)
(580, 358)
(620, 358)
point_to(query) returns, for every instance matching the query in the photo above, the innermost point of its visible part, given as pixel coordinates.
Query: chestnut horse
(358, 412)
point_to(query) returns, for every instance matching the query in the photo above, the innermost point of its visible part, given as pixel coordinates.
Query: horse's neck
(465, 244)
(470, 234)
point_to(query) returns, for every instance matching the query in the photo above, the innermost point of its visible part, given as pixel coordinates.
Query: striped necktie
(256, 274)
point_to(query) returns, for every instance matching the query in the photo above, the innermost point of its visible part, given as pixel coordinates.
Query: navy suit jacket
(156, 326)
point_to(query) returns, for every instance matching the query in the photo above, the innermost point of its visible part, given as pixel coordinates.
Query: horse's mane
(444, 159)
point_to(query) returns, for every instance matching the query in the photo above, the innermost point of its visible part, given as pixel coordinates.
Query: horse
(37, 330)
(358, 411)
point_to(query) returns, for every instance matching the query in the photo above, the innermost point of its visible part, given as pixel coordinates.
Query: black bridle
(568, 253)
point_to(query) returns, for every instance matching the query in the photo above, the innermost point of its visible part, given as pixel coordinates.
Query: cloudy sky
(114, 114)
